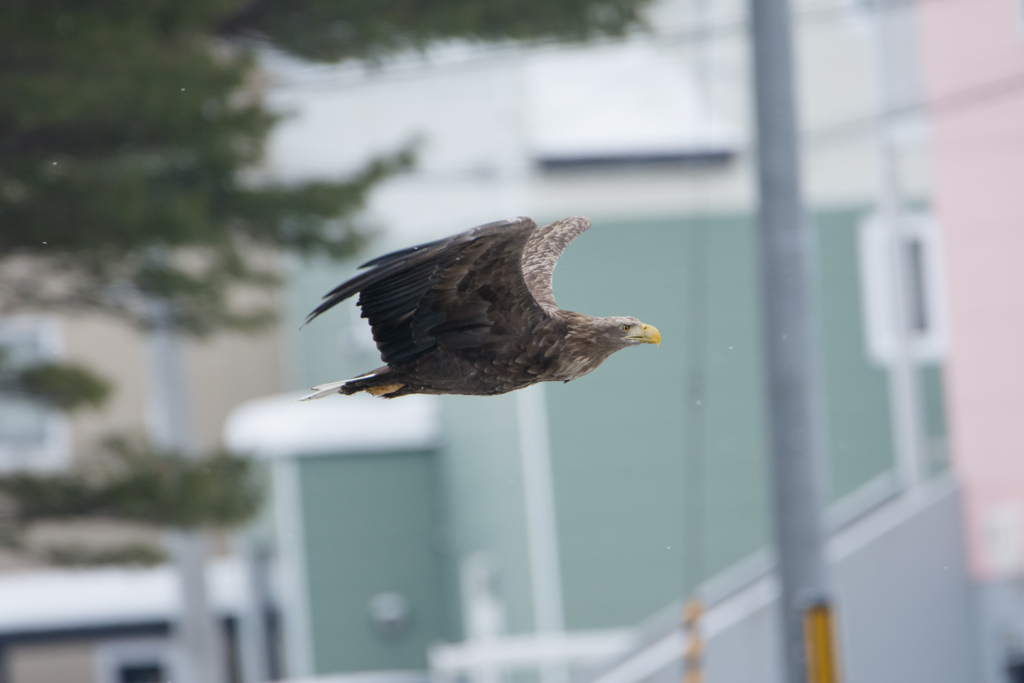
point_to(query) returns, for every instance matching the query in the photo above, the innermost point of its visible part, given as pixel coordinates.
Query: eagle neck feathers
(585, 346)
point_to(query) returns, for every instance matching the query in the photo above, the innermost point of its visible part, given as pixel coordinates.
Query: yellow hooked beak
(648, 335)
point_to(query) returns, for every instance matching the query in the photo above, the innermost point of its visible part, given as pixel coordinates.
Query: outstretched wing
(541, 254)
(456, 293)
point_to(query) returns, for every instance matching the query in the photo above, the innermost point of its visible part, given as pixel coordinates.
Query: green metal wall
(857, 406)
(372, 524)
(659, 456)
(484, 497)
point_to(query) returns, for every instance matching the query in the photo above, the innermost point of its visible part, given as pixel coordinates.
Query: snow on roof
(619, 100)
(495, 109)
(281, 426)
(57, 599)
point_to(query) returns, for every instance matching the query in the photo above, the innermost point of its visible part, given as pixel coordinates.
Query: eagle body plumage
(475, 314)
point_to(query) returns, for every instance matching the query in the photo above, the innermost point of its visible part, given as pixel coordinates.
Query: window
(920, 262)
(141, 673)
(138, 660)
(32, 436)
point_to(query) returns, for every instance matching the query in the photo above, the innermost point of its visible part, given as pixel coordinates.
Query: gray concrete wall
(904, 603)
(906, 609)
(1001, 633)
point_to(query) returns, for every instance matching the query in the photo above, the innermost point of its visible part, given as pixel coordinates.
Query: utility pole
(200, 653)
(784, 245)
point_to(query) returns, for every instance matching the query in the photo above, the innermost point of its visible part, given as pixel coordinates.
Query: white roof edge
(389, 676)
(42, 600)
(281, 426)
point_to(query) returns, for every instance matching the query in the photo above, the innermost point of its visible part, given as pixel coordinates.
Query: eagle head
(623, 331)
(591, 340)
(603, 336)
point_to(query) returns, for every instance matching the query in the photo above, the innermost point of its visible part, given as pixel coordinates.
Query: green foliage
(142, 554)
(64, 385)
(131, 137)
(132, 482)
(125, 132)
(128, 129)
(332, 30)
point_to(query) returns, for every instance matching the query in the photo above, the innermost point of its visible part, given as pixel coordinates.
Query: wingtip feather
(322, 390)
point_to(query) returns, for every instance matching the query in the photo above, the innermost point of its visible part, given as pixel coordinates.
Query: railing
(487, 659)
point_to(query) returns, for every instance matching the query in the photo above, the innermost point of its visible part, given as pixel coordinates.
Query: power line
(942, 105)
(964, 99)
(494, 54)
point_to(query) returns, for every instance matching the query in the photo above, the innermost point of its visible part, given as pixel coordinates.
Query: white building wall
(483, 114)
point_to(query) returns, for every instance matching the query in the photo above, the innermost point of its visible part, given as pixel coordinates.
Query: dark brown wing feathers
(447, 293)
(479, 298)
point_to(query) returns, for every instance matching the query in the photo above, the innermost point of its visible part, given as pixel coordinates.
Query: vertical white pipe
(197, 632)
(253, 638)
(542, 533)
(904, 391)
(293, 572)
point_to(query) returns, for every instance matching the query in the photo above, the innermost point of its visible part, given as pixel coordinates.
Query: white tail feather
(324, 390)
(321, 390)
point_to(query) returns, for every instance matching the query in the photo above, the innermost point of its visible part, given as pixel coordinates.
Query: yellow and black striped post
(693, 648)
(819, 644)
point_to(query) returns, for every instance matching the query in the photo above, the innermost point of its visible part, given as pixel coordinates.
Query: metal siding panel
(372, 525)
(620, 435)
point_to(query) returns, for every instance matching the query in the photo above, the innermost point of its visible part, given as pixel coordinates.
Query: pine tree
(127, 129)
(129, 133)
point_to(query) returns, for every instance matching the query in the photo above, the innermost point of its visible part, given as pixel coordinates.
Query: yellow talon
(385, 389)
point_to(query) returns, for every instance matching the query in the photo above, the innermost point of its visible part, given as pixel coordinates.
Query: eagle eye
(624, 327)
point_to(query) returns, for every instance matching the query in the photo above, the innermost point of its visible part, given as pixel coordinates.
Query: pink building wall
(978, 148)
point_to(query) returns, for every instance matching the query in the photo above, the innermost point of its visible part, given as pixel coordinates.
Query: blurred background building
(553, 533)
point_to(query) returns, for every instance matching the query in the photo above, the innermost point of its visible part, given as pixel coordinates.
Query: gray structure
(906, 605)
(622, 449)
(789, 343)
(658, 462)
